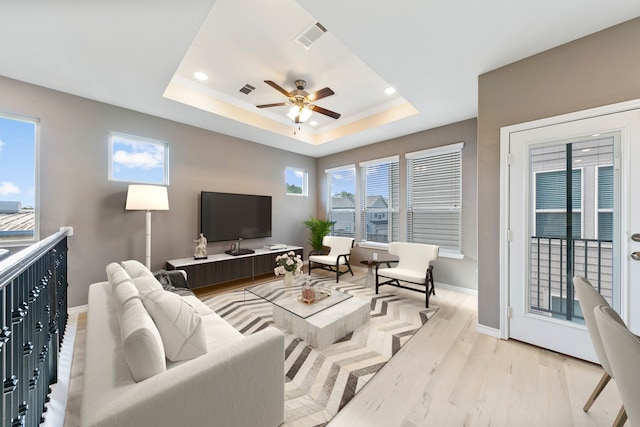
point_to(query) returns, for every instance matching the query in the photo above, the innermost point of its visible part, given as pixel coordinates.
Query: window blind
(380, 200)
(551, 203)
(605, 202)
(342, 200)
(434, 197)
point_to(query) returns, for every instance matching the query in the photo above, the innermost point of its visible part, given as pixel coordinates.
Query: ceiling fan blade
(325, 112)
(279, 104)
(322, 93)
(278, 88)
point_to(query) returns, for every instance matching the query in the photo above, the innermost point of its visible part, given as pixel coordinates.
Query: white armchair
(340, 249)
(414, 266)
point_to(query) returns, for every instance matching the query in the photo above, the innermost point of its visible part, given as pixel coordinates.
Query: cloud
(142, 156)
(7, 188)
(2, 144)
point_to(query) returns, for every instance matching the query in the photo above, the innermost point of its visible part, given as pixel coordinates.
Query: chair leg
(621, 418)
(596, 392)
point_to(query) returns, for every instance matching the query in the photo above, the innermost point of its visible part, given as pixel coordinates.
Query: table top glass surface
(288, 297)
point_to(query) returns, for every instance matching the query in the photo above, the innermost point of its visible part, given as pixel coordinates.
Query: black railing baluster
(33, 315)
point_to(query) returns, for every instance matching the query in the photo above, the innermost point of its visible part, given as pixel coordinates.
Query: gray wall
(461, 273)
(75, 191)
(597, 70)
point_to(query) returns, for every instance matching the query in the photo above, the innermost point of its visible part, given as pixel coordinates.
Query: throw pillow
(147, 284)
(180, 326)
(136, 268)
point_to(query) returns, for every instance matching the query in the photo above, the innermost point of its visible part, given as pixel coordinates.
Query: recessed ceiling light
(389, 91)
(578, 160)
(596, 134)
(586, 150)
(201, 76)
(313, 123)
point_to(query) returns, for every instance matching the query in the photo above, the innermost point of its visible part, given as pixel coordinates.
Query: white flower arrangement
(288, 262)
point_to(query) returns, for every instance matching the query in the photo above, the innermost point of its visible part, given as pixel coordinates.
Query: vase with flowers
(290, 265)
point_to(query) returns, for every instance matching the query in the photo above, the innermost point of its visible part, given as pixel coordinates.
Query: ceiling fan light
(305, 113)
(293, 112)
(302, 113)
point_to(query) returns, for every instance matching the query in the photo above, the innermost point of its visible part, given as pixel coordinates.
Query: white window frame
(36, 180)
(329, 172)
(391, 209)
(434, 152)
(305, 181)
(117, 137)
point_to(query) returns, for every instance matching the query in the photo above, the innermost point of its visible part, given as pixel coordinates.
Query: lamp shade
(147, 198)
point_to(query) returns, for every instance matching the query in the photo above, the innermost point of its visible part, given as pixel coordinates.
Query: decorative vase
(288, 278)
(308, 293)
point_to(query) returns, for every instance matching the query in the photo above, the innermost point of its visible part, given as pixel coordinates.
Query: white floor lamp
(147, 198)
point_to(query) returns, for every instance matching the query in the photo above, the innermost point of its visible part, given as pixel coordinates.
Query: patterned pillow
(180, 326)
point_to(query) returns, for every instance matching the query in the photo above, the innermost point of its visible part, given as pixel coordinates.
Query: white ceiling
(130, 54)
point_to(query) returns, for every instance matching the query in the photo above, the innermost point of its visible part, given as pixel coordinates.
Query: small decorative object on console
(201, 247)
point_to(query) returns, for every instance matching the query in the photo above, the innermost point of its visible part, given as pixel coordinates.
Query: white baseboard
(454, 288)
(78, 308)
(486, 330)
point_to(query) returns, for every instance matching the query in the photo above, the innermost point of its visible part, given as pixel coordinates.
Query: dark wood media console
(221, 268)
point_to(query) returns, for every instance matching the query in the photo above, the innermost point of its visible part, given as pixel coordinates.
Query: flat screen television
(228, 216)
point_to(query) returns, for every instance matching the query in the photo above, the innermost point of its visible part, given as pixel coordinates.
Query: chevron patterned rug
(319, 383)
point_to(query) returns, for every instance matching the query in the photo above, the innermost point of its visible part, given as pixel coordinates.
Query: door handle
(635, 256)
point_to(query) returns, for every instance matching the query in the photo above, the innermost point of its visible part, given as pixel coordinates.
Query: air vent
(247, 89)
(310, 35)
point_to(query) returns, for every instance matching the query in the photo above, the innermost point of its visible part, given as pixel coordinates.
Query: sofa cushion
(141, 341)
(116, 274)
(180, 326)
(136, 268)
(121, 286)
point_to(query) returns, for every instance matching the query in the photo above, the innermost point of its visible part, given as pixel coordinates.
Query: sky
(17, 161)
(137, 160)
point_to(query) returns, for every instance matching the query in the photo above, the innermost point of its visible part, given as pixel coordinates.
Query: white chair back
(339, 245)
(589, 299)
(414, 256)
(623, 351)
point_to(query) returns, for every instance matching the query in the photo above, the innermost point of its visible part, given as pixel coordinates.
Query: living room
(74, 189)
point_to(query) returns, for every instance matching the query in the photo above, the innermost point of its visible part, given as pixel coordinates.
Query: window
(342, 200)
(136, 159)
(18, 188)
(551, 203)
(380, 200)
(296, 180)
(434, 197)
(605, 202)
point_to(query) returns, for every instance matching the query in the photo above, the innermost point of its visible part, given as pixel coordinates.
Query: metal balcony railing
(33, 317)
(551, 288)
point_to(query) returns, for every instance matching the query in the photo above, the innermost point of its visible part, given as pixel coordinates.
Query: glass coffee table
(320, 323)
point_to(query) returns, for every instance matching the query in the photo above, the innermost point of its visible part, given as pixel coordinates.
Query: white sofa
(239, 381)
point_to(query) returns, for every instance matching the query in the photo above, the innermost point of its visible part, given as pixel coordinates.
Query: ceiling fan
(301, 101)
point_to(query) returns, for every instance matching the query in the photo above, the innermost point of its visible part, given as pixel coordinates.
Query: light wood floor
(450, 375)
